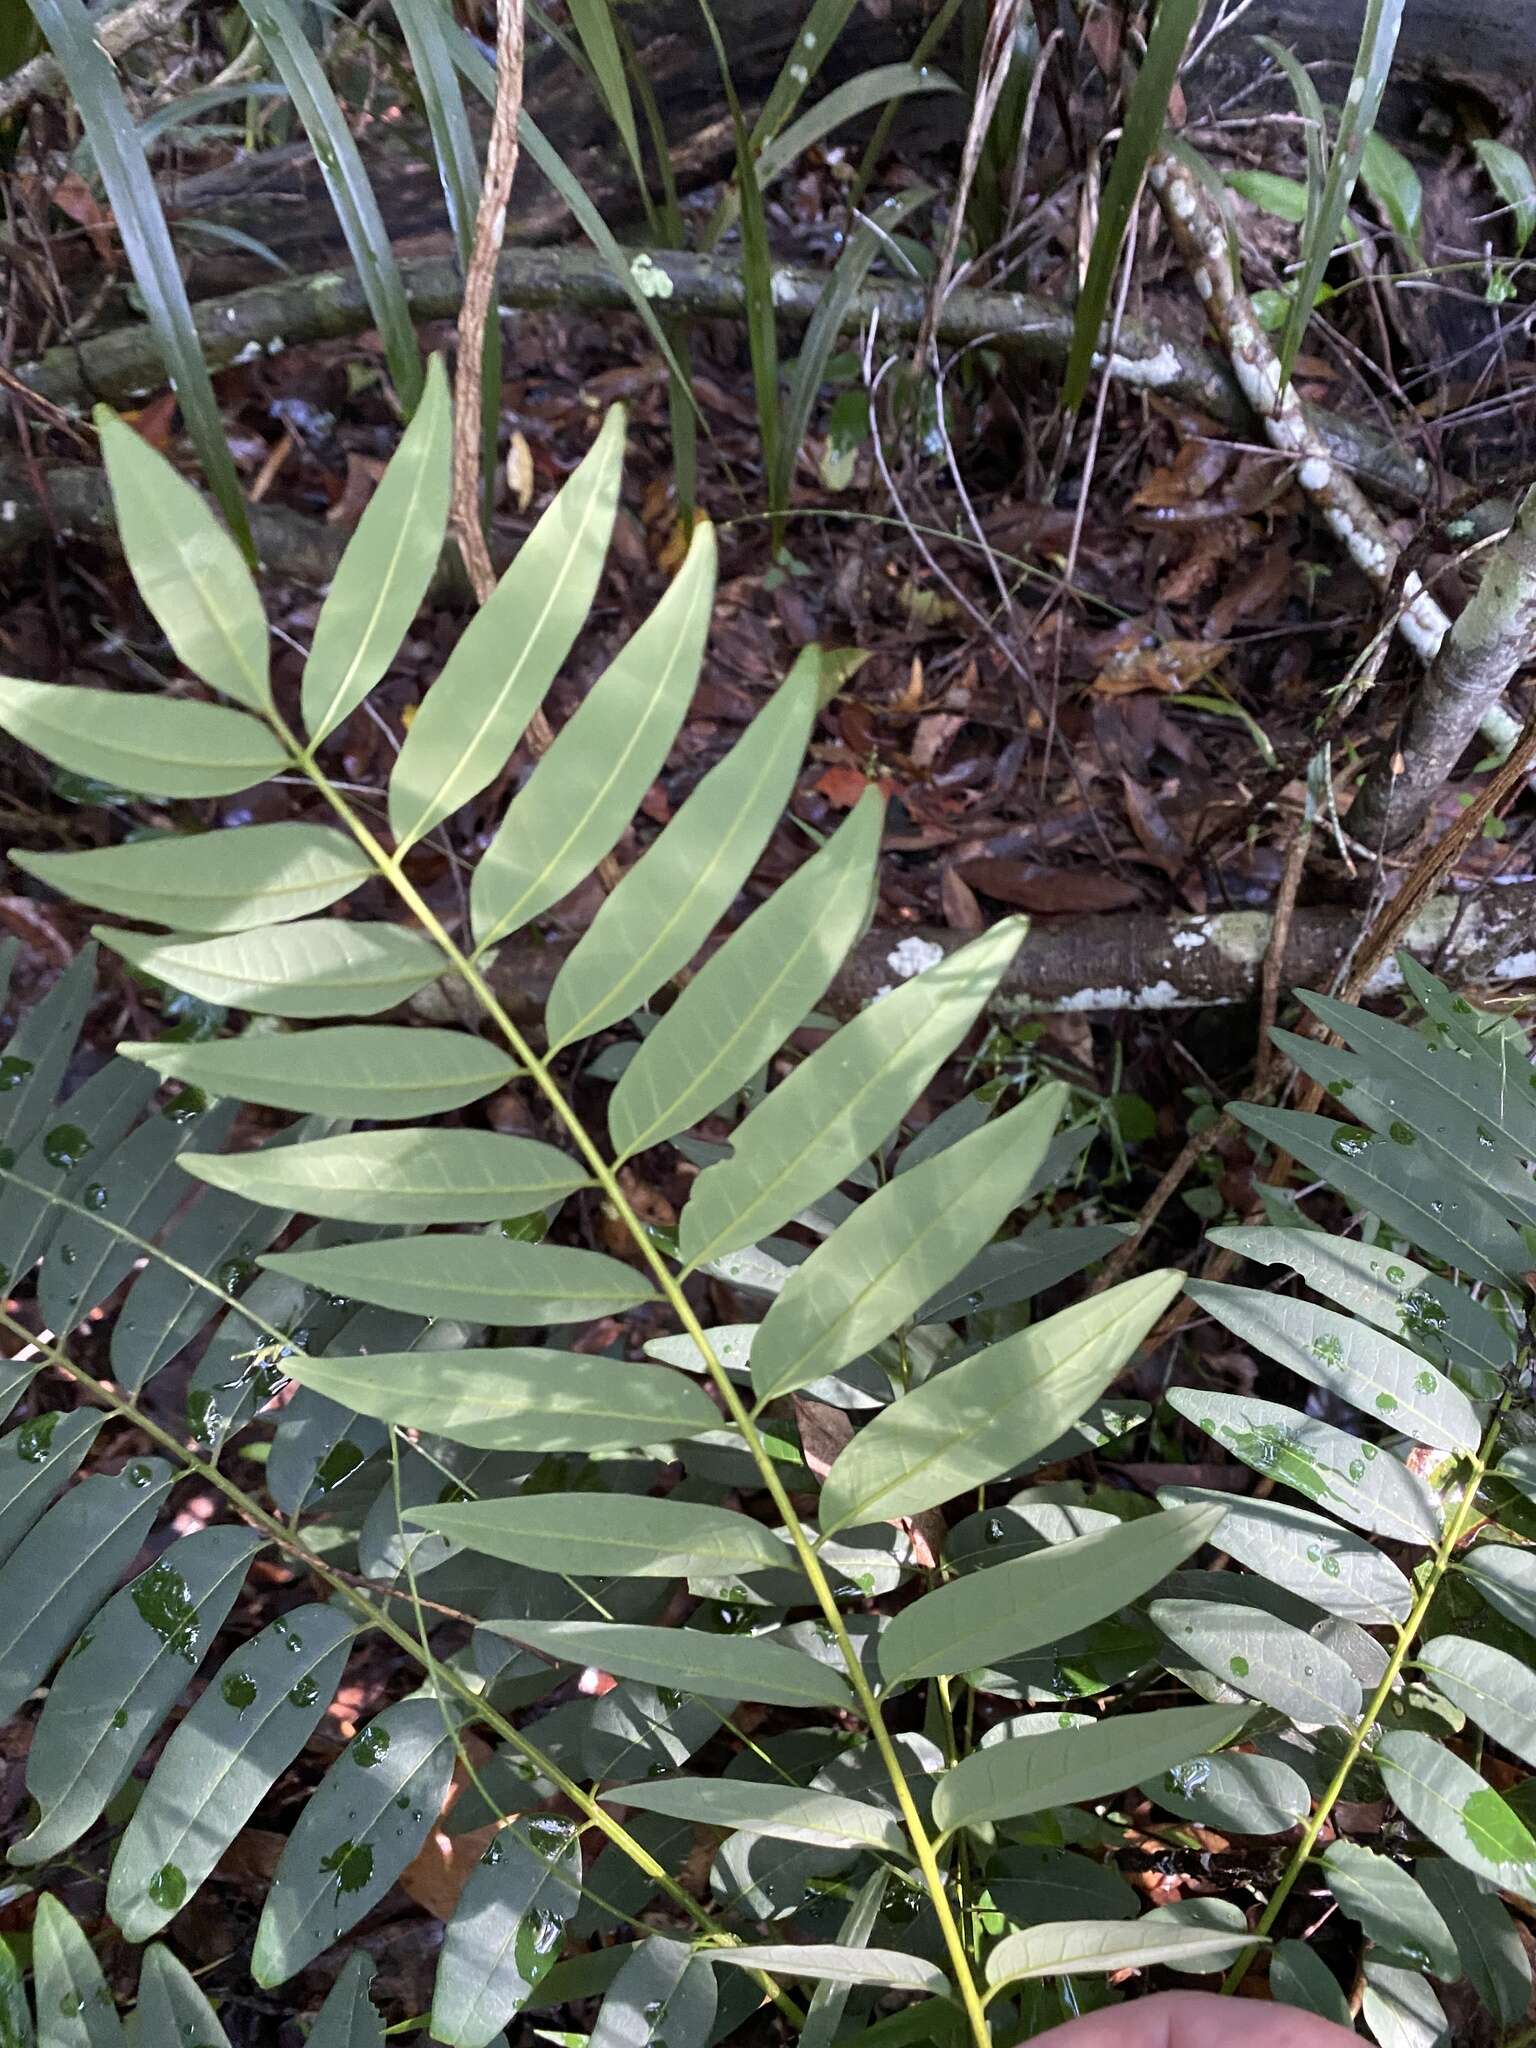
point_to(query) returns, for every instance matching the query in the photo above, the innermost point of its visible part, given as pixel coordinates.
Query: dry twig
(116, 32)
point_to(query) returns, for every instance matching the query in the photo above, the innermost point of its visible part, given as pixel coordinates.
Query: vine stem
(607, 1179)
(1440, 1564)
(442, 1675)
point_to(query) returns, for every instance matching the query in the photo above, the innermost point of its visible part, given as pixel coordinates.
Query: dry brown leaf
(962, 913)
(1062, 892)
(824, 1431)
(933, 736)
(1166, 666)
(363, 473)
(520, 478)
(77, 202)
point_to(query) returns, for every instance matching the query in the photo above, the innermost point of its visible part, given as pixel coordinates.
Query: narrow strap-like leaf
(37, 1461)
(687, 1659)
(783, 1812)
(506, 1930)
(478, 1279)
(628, 1538)
(665, 907)
(584, 792)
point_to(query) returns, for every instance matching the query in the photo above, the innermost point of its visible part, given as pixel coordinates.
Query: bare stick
(116, 32)
(1198, 229)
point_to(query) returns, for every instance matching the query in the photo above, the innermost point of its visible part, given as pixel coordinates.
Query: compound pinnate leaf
(610, 1536)
(407, 1176)
(505, 660)
(670, 901)
(1266, 1658)
(37, 1461)
(1460, 1813)
(845, 1100)
(1493, 1689)
(1095, 1947)
(241, 1734)
(1369, 1370)
(382, 1072)
(586, 789)
(1490, 1949)
(1390, 1907)
(477, 1279)
(190, 574)
(155, 746)
(785, 1813)
(967, 1425)
(113, 1693)
(77, 2007)
(663, 1992)
(688, 1660)
(1059, 1766)
(373, 1810)
(172, 2006)
(737, 1011)
(879, 1266)
(323, 967)
(516, 1400)
(990, 1615)
(1356, 1481)
(60, 1573)
(209, 881)
(385, 571)
(506, 1929)
(348, 2019)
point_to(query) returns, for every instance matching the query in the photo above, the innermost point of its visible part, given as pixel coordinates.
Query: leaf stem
(608, 1180)
(1440, 1564)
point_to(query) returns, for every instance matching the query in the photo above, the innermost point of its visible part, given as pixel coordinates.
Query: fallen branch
(116, 32)
(124, 365)
(1478, 660)
(1196, 224)
(1147, 962)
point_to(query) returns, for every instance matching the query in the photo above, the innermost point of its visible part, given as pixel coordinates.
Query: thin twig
(116, 32)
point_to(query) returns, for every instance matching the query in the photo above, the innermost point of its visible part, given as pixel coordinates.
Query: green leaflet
(324, 967)
(15, 2017)
(1369, 1370)
(1307, 1554)
(991, 1412)
(1059, 1766)
(830, 1998)
(506, 1929)
(1491, 1688)
(1235, 1792)
(1267, 1658)
(1093, 1947)
(260, 1708)
(720, 1667)
(61, 1159)
(828, 1963)
(586, 789)
(58, 1575)
(478, 1279)
(38, 1053)
(155, 746)
(386, 569)
(610, 1536)
(372, 1811)
(382, 1072)
(841, 1103)
(507, 657)
(1400, 2008)
(1449, 1221)
(171, 2007)
(670, 901)
(739, 1008)
(407, 1176)
(1512, 178)
(1391, 1291)
(1447, 1801)
(37, 1461)
(1000, 1612)
(112, 1694)
(1299, 1978)
(785, 1813)
(347, 2018)
(664, 1991)
(190, 574)
(1391, 1908)
(878, 1267)
(1505, 1575)
(210, 881)
(1490, 1950)
(1356, 1481)
(516, 1400)
(79, 2010)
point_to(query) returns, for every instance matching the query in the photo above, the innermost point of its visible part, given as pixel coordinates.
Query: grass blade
(146, 242)
(341, 166)
(1144, 118)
